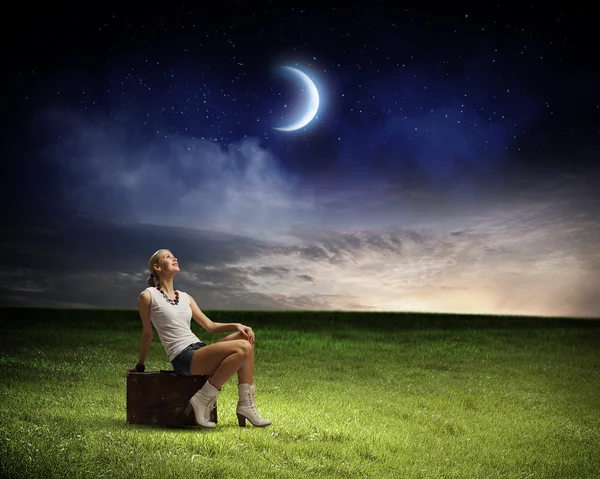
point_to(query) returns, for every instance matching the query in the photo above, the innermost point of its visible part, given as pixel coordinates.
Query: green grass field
(350, 395)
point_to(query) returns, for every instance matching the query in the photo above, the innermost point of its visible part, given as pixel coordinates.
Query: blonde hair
(154, 278)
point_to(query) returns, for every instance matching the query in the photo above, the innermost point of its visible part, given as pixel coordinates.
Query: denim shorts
(181, 362)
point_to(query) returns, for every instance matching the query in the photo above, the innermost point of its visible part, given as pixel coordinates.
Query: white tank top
(172, 322)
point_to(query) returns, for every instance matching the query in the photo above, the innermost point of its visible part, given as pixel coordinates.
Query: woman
(170, 311)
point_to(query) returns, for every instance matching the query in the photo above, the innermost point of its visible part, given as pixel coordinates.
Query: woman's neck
(167, 286)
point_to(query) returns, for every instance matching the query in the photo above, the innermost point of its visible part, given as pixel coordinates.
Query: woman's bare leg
(246, 408)
(222, 359)
(246, 372)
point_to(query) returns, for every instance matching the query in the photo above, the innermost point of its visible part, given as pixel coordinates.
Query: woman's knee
(244, 347)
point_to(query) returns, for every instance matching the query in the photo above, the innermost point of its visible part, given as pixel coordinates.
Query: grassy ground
(350, 395)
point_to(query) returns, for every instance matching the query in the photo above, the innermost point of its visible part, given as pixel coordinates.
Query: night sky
(452, 165)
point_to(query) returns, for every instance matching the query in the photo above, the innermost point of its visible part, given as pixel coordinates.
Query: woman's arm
(144, 303)
(213, 327)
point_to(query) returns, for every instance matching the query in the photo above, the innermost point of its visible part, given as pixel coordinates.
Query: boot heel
(241, 420)
(188, 409)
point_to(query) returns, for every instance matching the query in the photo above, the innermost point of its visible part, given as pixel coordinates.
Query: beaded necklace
(174, 303)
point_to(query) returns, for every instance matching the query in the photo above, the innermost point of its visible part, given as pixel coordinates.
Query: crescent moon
(312, 105)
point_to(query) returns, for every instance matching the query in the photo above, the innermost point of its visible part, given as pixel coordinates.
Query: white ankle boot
(202, 402)
(246, 409)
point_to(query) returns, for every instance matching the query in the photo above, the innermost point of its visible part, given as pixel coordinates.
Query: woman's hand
(246, 332)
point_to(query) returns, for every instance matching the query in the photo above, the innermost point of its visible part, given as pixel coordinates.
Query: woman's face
(168, 262)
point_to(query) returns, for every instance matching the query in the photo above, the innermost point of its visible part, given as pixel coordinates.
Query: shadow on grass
(101, 423)
(185, 429)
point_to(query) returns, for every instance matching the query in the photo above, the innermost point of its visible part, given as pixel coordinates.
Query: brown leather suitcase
(161, 397)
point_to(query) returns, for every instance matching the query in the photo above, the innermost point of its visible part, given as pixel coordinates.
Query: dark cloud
(305, 277)
(81, 260)
(279, 271)
(79, 243)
